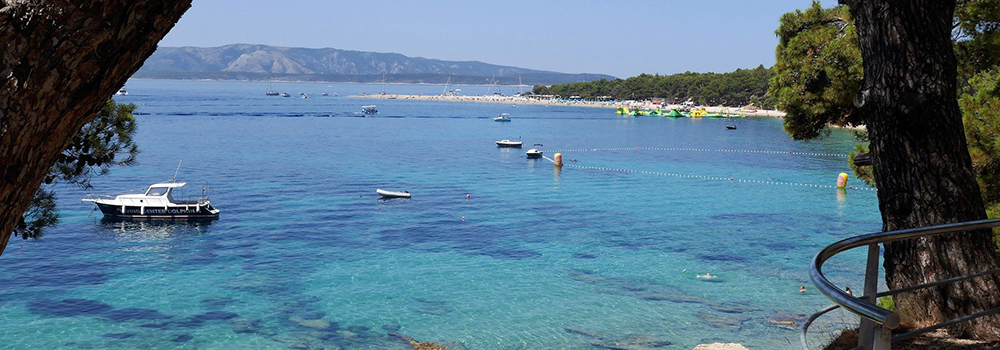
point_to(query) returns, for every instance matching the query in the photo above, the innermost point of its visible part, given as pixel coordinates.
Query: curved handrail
(858, 306)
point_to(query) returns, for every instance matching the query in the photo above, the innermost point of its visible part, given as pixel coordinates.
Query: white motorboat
(370, 109)
(509, 143)
(285, 94)
(271, 93)
(161, 201)
(122, 92)
(504, 117)
(392, 194)
(534, 152)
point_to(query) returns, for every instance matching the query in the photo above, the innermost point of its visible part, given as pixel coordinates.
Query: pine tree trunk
(921, 161)
(60, 60)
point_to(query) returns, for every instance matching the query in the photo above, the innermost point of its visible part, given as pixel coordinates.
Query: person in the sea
(848, 291)
(802, 289)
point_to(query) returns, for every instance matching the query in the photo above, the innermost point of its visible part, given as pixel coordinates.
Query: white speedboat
(534, 153)
(370, 109)
(509, 143)
(161, 201)
(122, 92)
(504, 117)
(392, 194)
(285, 94)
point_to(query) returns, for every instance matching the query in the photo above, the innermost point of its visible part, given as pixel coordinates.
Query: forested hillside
(738, 88)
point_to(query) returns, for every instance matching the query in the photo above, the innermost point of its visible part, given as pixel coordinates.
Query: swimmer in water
(802, 289)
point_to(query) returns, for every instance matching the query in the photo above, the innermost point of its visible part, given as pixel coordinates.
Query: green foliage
(738, 88)
(863, 173)
(981, 116)
(887, 303)
(977, 36)
(817, 70)
(42, 213)
(101, 144)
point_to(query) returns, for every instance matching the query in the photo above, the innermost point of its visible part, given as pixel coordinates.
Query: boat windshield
(157, 191)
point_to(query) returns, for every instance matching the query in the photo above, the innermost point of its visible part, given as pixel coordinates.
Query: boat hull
(392, 194)
(172, 212)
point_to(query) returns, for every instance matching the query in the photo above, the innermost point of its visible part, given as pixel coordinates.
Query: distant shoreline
(515, 100)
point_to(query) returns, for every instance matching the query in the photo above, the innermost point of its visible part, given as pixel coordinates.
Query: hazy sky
(621, 38)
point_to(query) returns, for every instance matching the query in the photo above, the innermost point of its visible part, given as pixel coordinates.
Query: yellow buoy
(558, 159)
(842, 180)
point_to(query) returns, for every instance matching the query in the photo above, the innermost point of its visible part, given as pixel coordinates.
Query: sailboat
(270, 91)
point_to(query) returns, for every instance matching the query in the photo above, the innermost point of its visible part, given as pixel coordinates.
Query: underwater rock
(119, 335)
(217, 303)
(315, 324)
(786, 320)
(246, 325)
(434, 310)
(183, 338)
(347, 334)
(721, 321)
(358, 329)
(730, 308)
(720, 346)
(292, 343)
(68, 307)
(432, 307)
(450, 345)
(155, 325)
(584, 256)
(215, 316)
(122, 315)
(634, 342)
(586, 333)
(322, 335)
(391, 327)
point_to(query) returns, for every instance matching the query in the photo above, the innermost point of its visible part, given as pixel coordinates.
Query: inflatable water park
(676, 113)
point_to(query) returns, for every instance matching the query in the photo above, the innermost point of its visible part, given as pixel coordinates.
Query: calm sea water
(603, 251)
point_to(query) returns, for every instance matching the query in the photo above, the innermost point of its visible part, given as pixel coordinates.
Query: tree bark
(921, 161)
(60, 60)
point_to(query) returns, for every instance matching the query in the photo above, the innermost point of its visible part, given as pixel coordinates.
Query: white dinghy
(392, 194)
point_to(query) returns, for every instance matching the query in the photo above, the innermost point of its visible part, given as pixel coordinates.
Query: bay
(305, 255)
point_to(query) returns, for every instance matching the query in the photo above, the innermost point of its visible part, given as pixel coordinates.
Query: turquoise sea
(601, 253)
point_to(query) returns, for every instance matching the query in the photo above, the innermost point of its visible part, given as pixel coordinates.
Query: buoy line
(705, 177)
(811, 154)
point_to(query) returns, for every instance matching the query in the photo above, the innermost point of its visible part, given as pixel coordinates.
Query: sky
(620, 38)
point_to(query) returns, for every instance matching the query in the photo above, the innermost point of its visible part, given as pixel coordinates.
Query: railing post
(867, 330)
(883, 338)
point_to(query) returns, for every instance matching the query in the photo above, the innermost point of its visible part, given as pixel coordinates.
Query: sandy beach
(515, 100)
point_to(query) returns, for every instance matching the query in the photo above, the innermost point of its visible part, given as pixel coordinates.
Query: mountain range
(263, 62)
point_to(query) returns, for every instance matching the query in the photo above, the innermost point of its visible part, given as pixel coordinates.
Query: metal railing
(876, 322)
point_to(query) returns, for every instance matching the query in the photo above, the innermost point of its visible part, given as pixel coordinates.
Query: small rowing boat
(392, 194)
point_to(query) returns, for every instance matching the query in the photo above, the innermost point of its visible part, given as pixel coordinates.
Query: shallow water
(306, 256)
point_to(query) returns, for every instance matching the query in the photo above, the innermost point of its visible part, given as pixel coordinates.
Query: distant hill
(263, 62)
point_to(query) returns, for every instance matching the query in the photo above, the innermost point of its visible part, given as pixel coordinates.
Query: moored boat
(370, 109)
(534, 153)
(392, 194)
(504, 117)
(509, 143)
(160, 201)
